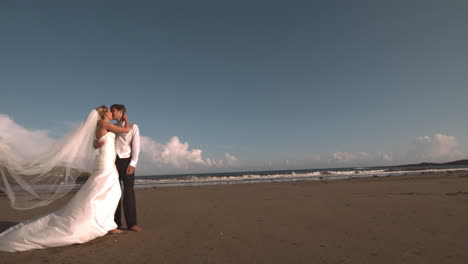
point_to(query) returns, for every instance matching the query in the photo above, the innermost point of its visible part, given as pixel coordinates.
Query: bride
(89, 214)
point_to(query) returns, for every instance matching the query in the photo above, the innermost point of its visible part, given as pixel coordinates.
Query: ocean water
(284, 175)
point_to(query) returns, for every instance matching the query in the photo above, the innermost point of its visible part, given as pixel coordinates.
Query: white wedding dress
(88, 215)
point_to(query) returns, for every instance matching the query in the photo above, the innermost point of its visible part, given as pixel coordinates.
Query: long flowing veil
(37, 181)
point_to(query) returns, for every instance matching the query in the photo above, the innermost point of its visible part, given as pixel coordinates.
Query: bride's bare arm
(117, 129)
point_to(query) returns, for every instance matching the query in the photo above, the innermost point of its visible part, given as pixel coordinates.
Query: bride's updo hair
(102, 110)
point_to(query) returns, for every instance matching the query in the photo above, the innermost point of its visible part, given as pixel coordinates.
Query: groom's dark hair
(119, 107)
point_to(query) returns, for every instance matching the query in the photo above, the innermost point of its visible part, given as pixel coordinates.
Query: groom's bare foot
(115, 231)
(135, 228)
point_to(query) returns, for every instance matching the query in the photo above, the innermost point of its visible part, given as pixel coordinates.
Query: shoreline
(399, 219)
(153, 182)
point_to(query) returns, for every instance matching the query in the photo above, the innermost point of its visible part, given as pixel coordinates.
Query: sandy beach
(404, 219)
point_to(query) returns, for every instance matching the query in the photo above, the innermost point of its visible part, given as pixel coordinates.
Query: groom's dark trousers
(128, 196)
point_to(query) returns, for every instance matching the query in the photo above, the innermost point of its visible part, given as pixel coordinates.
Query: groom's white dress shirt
(128, 144)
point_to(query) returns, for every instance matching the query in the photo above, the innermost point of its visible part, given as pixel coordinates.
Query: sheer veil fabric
(37, 181)
(88, 215)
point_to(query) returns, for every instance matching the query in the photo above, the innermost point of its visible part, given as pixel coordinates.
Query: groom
(127, 147)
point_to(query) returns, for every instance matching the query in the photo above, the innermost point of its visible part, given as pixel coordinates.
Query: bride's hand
(98, 144)
(125, 117)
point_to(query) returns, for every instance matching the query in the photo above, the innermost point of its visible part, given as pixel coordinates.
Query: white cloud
(231, 160)
(175, 156)
(348, 156)
(27, 142)
(316, 158)
(359, 158)
(436, 148)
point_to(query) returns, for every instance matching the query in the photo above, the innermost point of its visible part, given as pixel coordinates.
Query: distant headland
(433, 164)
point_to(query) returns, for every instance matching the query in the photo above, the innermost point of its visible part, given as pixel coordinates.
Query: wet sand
(405, 219)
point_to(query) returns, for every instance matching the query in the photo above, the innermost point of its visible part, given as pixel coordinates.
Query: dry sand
(406, 219)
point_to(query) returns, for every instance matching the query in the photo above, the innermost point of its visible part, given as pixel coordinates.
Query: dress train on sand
(88, 215)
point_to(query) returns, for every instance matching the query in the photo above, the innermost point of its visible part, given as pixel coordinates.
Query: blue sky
(232, 86)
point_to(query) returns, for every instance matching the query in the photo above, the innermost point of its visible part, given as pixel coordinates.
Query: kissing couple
(95, 210)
